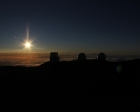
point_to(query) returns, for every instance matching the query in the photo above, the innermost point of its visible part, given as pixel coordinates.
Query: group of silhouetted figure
(81, 57)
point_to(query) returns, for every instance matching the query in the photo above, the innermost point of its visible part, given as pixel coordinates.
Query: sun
(27, 45)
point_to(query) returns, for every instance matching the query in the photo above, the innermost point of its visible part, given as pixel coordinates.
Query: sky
(71, 26)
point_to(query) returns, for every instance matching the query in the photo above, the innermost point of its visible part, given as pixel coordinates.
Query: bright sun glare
(27, 45)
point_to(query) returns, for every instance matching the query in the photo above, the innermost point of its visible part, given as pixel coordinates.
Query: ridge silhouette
(89, 85)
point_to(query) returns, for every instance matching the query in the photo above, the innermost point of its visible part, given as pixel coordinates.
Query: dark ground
(73, 86)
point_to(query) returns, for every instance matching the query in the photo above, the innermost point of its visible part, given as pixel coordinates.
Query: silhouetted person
(101, 56)
(81, 57)
(54, 57)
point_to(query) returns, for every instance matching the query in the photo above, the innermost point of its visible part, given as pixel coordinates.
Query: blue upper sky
(71, 26)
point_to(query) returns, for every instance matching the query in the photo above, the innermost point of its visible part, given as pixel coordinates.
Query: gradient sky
(71, 26)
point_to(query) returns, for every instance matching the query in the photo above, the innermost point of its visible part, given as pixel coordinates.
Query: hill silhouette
(77, 85)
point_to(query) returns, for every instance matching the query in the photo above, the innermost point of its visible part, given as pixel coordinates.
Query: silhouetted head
(81, 57)
(101, 56)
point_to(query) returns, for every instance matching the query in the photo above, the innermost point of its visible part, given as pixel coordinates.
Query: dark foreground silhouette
(73, 86)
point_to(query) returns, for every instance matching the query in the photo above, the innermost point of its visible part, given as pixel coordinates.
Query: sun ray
(27, 43)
